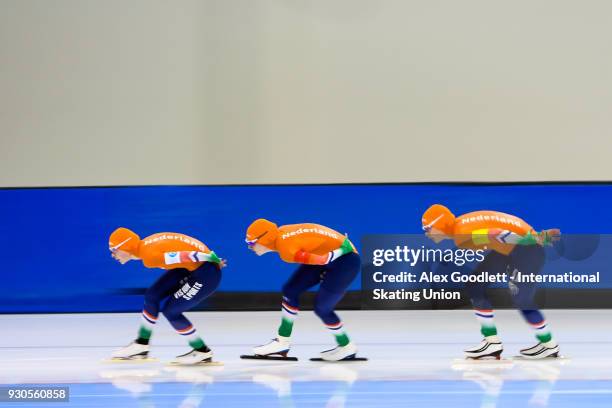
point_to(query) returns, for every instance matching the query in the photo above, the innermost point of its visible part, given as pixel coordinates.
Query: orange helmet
(439, 217)
(124, 239)
(262, 232)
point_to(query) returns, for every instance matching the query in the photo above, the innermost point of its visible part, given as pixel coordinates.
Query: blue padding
(54, 240)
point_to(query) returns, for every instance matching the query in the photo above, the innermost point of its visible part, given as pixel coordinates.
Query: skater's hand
(547, 237)
(347, 246)
(222, 263)
(514, 290)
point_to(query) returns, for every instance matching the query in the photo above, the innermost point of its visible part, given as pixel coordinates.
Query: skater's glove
(214, 258)
(547, 237)
(346, 247)
(209, 257)
(514, 289)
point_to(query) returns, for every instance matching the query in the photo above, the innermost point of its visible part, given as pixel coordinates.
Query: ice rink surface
(415, 361)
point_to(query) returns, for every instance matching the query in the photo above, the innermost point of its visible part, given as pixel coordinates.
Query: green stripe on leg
(342, 339)
(144, 333)
(197, 343)
(544, 338)
(488, 331)
(286, 327)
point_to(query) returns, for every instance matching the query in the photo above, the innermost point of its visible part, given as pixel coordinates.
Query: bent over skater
(193, 273)
(513, 246)
(325, 257)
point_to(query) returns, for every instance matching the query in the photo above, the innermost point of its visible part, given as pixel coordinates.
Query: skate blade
(204, 363)
(344, 360)
(489, 357)
(485, 358)
(117, 360)
(482, 361)
(270, 357)
(549, 358)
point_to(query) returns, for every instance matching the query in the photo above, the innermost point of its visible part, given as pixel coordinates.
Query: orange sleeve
(287, 253)
(308, 258)
(294, 254)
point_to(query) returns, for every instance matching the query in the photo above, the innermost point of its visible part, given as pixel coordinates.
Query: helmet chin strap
(262, 249)
(431, 224)
(116, 247)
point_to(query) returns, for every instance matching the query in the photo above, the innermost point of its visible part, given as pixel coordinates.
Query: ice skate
(541, 350)
(195, 357)
(278, 346)
(133, 351)
(489, 348)
(340, 353)
(276, 349)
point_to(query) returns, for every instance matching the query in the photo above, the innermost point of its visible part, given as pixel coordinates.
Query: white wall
(291, 91)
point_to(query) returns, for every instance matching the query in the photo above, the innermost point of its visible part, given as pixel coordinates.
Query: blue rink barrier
(56, 256)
